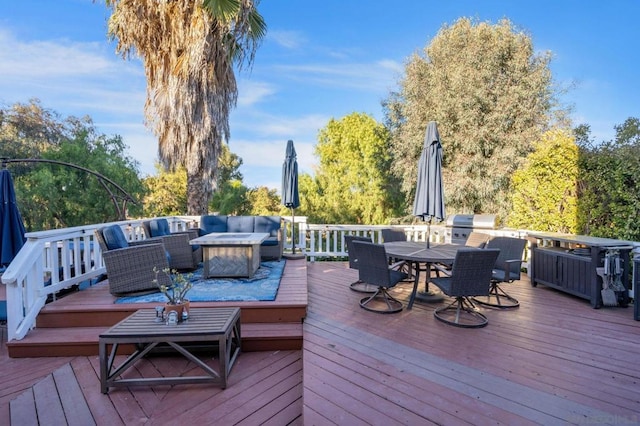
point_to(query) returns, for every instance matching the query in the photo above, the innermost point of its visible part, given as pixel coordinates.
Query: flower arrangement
(180, 285)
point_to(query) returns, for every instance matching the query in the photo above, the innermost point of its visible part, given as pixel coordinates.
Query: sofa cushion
(212, 223)
(114, 237)
(240, 224)
(159, 227)
(267, 224)
(271, 241)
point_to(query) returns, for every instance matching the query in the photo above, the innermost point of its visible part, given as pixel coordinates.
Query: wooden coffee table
(208, 325)
(228, 254)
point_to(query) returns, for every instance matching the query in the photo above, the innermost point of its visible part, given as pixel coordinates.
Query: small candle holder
(159, 314)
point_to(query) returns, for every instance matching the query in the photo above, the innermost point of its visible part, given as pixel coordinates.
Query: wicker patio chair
(130, 264)
(506, 270)
(183, 256)
(358, 285)
(374, 269)
(469, 277)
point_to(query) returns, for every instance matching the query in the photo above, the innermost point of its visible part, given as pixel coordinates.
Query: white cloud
(252, 92)
(287, 39)
(376, 76)
(54, 58)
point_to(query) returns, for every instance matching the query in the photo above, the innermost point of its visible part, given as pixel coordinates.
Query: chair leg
(497, 298)
(461, 313)
(382, 302)
(362, 287)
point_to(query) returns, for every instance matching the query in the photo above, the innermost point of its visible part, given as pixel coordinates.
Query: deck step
(83, 341)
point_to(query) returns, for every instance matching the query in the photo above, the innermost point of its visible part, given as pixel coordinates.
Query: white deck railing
(51, 261)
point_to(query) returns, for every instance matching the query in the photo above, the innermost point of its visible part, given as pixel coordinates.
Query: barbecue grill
(459, 226)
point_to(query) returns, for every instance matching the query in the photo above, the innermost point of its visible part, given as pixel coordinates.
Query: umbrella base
(294, 256)
(430, 296)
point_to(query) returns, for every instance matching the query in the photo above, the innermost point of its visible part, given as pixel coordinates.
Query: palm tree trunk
(198, 194)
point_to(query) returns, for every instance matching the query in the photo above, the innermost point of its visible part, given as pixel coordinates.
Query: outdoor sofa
(271, 248)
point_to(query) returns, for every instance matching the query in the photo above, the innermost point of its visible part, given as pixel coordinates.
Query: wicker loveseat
(271, 248)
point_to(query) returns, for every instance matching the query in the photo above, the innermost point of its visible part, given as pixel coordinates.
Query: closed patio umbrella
(290, 197)
(12, 229)
(429, 199)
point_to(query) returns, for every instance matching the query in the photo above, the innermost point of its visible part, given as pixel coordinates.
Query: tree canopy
(609, 183)
(492, 97)
(53, 196)
(545, 187)
(353, 183)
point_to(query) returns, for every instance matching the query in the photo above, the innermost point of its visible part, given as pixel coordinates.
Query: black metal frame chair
(477, 239)
(374, 269)
(506, 270)
(358, 285)
(469, 277)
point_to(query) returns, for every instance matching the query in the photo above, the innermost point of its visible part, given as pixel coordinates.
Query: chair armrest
(397, 265)
(442, 268)
(154, 240)
(509, 264)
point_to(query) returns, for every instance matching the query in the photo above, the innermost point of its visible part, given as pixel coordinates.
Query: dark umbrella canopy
(12, 229)
(429, 199)
(290, 197)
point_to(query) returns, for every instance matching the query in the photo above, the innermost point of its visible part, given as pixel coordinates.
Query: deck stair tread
(59, 342)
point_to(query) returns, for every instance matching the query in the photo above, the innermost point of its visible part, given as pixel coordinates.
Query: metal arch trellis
(104, 181)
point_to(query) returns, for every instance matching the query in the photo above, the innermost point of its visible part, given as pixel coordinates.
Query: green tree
(53, 196)
(609, 184)
(492, 97)
(354, 184)
(26, 130)
(232, 198)
(265, 201)
(545, 187)
(189, 49)
(166, 193)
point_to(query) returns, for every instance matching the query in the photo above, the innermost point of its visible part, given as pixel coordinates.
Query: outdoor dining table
(417, 253)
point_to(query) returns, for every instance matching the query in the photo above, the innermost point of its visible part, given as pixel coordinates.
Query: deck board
(554, 360)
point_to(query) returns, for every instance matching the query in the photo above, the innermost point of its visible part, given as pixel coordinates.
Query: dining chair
(470, 276)
(477, 239)
(374, 269)
(506, 270)
(359, 286)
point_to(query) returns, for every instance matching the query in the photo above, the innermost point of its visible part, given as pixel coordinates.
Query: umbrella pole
(429, 233)
(293, 232)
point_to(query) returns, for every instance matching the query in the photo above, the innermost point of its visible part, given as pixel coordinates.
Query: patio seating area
(553, 360)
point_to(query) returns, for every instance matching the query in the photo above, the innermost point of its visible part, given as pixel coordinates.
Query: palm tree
(189, 49)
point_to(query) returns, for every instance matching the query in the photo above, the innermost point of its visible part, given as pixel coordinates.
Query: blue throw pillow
(114, 237)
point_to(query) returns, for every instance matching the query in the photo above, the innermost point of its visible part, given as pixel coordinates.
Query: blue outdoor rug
(263, 286)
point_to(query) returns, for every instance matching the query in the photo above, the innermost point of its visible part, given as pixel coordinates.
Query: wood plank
(23, 409)
(73, 403)
(48, 405)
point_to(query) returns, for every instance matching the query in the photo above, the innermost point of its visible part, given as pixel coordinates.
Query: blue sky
(320, 60)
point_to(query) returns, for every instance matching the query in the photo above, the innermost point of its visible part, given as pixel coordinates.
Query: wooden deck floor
(554, 360)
